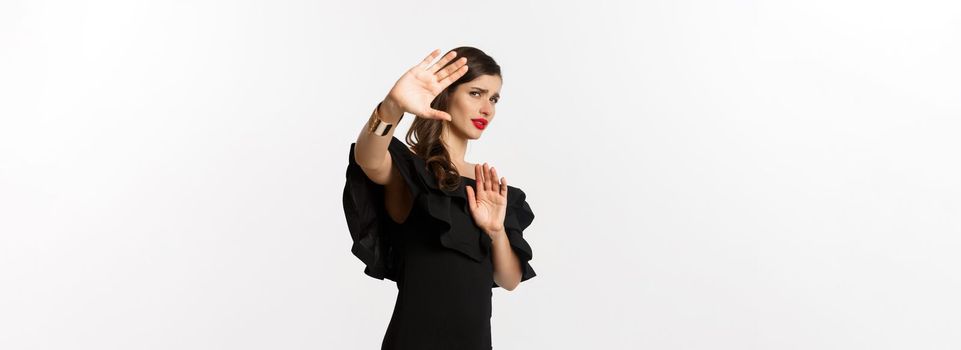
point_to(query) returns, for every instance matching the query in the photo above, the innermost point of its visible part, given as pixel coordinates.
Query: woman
(446, 231)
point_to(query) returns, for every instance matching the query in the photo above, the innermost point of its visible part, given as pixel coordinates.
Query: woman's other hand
(489, 205)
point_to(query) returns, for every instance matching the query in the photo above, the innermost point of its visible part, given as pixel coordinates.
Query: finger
(440, 115)
(478, 177)
(485, 178)
(451, 68)
(443, 61)
(491, 180)
(495, 185)
(445, 116)
(470, 198)
(453, 77)
(423, 64)
(504, 187)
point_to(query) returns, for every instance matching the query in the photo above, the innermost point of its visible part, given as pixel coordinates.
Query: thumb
(441, 115)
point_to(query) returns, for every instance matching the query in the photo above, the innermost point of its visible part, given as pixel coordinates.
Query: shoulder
(400, 147)
(515, 195)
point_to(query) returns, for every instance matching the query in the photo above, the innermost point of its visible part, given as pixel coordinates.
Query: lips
(479, 123)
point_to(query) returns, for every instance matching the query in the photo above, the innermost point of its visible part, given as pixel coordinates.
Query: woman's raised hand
(418, 87)
(489, 206)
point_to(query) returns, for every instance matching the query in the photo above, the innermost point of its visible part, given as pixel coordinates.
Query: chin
(473, 133)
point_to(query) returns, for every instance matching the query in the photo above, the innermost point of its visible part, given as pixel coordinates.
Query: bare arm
(507, 266)
(371, 150)
(413, 93)
(371, 154)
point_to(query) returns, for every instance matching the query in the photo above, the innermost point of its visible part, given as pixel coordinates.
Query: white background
(704, 174)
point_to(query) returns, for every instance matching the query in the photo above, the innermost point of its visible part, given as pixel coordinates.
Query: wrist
(390, 111)
(496, 233)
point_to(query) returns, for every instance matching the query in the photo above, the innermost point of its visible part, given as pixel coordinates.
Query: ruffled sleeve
(519, 216)
(366, 213)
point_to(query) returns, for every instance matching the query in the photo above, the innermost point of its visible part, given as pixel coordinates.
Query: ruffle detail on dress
(370, 225)
(471, 241)
(440, 205)
(368, 221)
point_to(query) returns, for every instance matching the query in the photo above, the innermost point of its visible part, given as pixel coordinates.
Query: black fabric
(439, 259)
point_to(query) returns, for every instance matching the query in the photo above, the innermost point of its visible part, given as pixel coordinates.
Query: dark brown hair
(428, 131)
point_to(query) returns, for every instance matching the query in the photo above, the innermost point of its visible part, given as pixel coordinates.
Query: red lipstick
(480, 123)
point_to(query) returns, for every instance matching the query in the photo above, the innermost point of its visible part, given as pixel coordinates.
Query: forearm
(507, 266)
(371, 150)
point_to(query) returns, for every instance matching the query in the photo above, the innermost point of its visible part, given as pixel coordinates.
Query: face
(472, 106)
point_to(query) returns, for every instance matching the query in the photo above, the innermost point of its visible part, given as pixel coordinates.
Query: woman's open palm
(489, 206)
(418, 87)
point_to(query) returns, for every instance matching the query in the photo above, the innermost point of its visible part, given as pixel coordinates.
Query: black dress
(439, 259)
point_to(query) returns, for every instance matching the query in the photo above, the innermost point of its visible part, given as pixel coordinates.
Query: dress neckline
(415, 154)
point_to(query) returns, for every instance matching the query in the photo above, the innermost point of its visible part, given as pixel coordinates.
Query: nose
(487, 109)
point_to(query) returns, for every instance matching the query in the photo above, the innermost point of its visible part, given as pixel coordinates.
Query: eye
(492, 98)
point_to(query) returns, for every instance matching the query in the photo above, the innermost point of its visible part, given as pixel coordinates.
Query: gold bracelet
(379, 127)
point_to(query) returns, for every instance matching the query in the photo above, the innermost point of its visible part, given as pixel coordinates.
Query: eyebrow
(485, 91)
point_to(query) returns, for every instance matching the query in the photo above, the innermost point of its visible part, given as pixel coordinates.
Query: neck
(456, 145)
